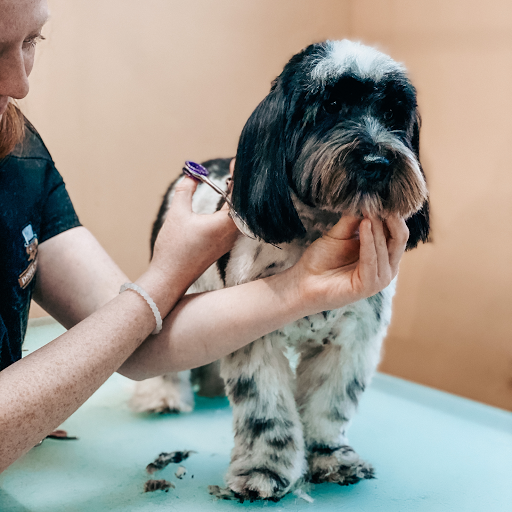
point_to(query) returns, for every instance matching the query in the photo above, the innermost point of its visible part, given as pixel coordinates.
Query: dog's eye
(388, 115)
(332, 106)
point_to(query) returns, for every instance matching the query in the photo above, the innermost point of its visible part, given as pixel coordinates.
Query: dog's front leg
(268, 457)
(331, 376)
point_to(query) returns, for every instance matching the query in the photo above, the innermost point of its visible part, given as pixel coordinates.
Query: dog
(337, 134)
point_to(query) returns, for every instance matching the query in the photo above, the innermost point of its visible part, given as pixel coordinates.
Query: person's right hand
(356, 259)
(188, 243)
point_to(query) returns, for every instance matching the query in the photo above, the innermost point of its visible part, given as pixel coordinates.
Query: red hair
(12, 129)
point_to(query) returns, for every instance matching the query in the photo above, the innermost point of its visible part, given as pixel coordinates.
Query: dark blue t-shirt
(34, 206)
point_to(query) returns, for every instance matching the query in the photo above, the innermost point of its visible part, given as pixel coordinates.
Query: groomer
(47, 255)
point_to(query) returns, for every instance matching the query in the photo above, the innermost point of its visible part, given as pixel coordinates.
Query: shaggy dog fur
(338, 133)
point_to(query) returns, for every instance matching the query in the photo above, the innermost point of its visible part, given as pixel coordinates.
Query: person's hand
(354, 260)
(188, 243)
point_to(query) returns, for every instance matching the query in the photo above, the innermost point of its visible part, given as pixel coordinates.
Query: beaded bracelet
(149, 300)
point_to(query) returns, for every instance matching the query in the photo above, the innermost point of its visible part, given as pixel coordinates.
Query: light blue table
(432, 452)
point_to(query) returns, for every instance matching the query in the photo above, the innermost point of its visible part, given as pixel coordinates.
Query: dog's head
(339, 131)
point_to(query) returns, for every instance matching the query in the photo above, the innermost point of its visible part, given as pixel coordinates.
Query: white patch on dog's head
(351, 57)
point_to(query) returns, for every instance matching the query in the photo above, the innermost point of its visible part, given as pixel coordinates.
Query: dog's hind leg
(209, 380)
(331, 376)
(171, 392)
(268, 457)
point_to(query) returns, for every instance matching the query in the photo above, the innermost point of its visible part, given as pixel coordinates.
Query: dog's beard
(330, 173)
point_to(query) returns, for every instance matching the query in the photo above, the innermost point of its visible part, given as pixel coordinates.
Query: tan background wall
(123, 94)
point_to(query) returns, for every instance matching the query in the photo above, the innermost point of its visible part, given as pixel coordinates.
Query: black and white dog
(338, 133)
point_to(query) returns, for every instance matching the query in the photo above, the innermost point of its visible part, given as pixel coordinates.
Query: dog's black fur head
(339, 131)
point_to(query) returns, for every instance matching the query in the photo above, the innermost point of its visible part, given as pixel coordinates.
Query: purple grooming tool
(200, 173)
(193, 170)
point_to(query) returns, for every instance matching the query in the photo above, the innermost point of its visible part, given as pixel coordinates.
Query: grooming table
(432, 451)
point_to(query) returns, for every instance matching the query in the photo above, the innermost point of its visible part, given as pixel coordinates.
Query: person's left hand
(356, 259)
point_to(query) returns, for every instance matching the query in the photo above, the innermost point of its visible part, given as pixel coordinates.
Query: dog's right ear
(261, 194)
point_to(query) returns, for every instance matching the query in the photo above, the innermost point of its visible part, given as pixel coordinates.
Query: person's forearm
(40, 391)
(204, 327)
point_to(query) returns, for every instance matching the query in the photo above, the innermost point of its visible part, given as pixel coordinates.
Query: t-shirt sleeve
(58, 214)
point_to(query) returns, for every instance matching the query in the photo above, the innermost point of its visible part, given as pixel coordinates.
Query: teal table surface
(432, 452)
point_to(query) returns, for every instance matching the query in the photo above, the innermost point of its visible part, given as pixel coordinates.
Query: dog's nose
(375, 167)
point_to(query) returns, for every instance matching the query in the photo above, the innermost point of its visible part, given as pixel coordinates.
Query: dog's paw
(341, 466)
(162, 395)
(258, 484)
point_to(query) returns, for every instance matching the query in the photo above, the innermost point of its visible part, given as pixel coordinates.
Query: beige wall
(123, 94)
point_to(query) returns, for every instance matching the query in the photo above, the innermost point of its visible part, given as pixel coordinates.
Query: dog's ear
(261, 194)
(415, 135)
(419, 223)
(419, 227)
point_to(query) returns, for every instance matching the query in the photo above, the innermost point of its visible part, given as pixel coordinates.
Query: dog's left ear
(419, 227)
(261, 194)
(419, 223)
(415, 135)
